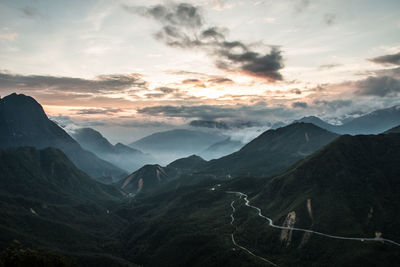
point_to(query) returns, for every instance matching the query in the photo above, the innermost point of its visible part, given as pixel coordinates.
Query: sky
(130, 68)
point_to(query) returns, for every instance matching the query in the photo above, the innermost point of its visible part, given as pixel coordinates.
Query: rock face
(23, 122)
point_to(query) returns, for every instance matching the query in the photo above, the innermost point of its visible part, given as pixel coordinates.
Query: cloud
(387, 59)
(299, 104)
(30, 12)
(301, 5)
(333, 105)
(220, 80)
(183, 26)
(257, 111)
(209, 124)
(329, 19)
(100, 84)
(378, 86)
(167, 90)
(295, 91)
(95, 111)
(328, 66)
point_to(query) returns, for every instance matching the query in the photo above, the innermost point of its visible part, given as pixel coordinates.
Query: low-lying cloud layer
(183, 26)
(110, 83)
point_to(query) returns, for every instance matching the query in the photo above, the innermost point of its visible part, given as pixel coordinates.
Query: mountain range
(120, 155)
(348, 189)
(375, 122)
(169, 145)
(299, 195)
(49, 204)
(273, 151)
(23, 122)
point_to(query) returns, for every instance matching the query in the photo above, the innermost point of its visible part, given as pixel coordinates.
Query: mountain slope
(222, 148)
(49, 204)
(394, 130)
(125, 157)
(24, 123)
(318, 122)
(349, 189)
(146, 178)
(372, 123)
(273, 151)
(170, 145)
(48, 175)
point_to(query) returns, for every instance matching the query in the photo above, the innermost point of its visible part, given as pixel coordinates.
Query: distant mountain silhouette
(273, 151)
(123, 156)
(375, 122)
(170, 145)
(318, 122)
(24, 123)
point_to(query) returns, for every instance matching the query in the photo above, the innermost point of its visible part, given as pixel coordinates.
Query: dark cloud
(183, 14)
(167, 90)
(209, 124)
(378, 86)
(387, 59)
(195, 82)
(220, 80)
(215, 112)
(30, 12)
(301, 5)
(299, 104)
(328, 66)
(225, 125)
(295, 91)
(95, 111)
(154, 95)
(183, 27)
(333, 105)
(100, 84)
(329, 19)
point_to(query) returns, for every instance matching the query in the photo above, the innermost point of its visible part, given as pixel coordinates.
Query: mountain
(394, 130)
(273, 151)
(349, 189)
(49, 204)
(318, 122)
(375, 122)
(146, 178)
(222, 148)
(170, 145)
(372, 123)
(186, 165)
(124, 157)
(24, 123)
(151, 177)
(48, 175)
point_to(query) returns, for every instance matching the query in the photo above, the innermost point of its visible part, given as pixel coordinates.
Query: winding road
(271, 223)
(243, 248)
